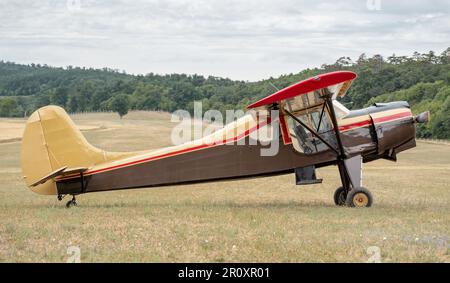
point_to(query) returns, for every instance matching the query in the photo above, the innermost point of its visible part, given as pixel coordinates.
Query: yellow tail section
(52, 141)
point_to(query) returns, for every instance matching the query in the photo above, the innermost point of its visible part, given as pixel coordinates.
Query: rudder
(52, 141)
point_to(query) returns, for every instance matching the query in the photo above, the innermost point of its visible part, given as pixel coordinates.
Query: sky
(239, 39)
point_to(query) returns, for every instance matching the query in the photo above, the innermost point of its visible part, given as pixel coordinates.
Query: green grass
(262, 220)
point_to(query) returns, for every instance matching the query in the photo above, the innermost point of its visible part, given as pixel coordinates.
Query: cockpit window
(315, 124)
(316, 119)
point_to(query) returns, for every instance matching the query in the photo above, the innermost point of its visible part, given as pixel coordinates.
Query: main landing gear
(340, 196)
(358, 197)
(352, 194)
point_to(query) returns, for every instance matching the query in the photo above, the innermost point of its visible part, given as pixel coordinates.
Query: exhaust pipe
(423, 117)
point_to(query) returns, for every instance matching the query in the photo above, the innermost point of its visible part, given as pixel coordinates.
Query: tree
(86, 89)
(72, 104)
(119, 104)
(416, 56)
(376, 62)
(146, 96)
(42, 100)
(58, 96)
(445, 56)
(362, 59)
(8, 107)
(441, 123)
(397, 59)
(431, 57)
(343, 62)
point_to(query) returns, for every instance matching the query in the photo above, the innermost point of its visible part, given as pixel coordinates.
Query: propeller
(423, 117)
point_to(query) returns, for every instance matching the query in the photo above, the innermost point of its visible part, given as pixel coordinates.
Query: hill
(24, 88)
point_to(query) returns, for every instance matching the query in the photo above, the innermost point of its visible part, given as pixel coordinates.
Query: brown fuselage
(373, 135)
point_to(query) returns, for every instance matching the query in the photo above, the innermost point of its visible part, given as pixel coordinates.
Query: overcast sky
(242, 39)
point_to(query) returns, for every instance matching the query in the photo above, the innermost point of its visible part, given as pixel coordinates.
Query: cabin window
(303, 140)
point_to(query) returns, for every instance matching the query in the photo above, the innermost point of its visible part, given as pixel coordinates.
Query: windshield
(314, 121)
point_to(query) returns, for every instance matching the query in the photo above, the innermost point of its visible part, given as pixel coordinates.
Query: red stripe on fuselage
(376, 120)
(354, 125)
(392, 117)
(202, 146)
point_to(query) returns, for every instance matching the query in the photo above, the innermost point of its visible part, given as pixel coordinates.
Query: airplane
(315, 130)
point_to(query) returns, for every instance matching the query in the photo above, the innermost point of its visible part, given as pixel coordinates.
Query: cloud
(246, 40)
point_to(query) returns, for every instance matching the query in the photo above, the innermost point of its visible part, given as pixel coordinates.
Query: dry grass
(267, 219)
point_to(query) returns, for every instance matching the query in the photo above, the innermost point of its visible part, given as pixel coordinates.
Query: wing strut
(329, 103)
(321, 116)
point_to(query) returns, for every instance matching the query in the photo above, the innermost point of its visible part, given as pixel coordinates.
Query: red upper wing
(311, 84)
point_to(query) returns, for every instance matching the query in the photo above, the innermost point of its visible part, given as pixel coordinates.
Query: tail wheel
(359, 197)
(72, 202)
(340, 196)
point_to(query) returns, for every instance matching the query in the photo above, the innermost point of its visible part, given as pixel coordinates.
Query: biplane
(315, 130)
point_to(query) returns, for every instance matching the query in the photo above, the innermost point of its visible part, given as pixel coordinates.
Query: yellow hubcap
(360, 200)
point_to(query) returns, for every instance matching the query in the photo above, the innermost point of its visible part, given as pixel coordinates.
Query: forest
(421, 79)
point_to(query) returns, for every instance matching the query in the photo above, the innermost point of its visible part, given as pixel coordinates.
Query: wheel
(71, 203)
(359, 197)
(340, 195)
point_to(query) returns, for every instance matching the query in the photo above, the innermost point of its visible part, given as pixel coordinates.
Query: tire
(71, 203)
(359, 197)
(340, 196)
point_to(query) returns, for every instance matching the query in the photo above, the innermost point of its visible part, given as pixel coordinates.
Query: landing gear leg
(72, 202)
(340, 195)
(352, 193)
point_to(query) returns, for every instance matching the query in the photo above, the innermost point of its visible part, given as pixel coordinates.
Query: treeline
(24, 88)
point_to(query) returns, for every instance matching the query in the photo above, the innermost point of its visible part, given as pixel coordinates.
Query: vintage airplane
(315, 131)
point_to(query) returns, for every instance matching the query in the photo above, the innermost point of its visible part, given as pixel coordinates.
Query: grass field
(259, 220)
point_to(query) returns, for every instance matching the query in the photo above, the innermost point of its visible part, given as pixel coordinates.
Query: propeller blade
(423, 117)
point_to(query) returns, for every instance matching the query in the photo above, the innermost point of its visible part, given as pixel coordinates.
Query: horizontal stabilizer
(63, 171)
(75, 170)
